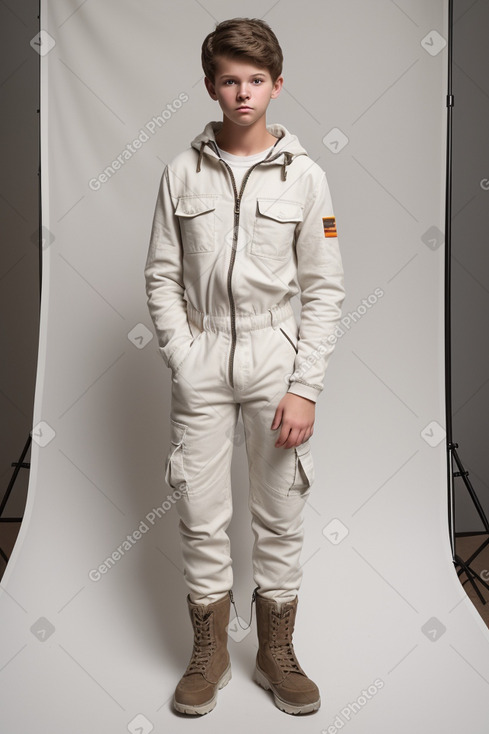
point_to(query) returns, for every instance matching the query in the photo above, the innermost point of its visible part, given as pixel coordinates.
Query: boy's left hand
(297, 415)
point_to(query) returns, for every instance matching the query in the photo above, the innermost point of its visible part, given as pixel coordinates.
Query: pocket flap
(177, 432)
(174, 466)
(305, 457)
(280, 210)
(190, 206)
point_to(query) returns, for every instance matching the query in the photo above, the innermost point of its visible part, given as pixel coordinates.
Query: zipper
(237, 202)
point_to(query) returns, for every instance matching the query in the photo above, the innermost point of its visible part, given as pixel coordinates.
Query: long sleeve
(164, 279)
(321, 279)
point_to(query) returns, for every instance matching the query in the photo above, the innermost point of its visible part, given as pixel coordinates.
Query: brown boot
(209, 668)
(277, 667)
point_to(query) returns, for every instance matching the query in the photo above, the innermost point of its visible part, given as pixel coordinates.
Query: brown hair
(248, 38)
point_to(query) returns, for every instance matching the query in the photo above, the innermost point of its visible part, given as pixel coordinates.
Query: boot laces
(204, 645)
(281, 645)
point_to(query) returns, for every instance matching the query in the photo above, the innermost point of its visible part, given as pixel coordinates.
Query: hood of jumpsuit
(287, 146)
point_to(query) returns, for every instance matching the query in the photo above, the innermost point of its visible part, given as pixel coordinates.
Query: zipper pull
(236, 208)
(236, 611)
(253, 598)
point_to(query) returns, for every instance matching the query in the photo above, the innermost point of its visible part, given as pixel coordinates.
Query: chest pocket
(197, 217)
(275, 223)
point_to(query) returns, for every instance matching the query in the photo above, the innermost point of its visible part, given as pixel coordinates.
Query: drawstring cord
(287, 162)
(201, 153)
(253, 599)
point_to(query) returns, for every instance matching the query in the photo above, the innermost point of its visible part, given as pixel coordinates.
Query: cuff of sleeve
(305, 391)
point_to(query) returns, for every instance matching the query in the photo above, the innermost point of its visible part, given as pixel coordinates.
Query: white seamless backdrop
(383, 624)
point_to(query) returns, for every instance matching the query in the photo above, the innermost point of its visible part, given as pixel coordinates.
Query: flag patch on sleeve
(329, 226)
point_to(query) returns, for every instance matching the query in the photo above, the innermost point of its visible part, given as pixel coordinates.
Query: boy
(243, 221)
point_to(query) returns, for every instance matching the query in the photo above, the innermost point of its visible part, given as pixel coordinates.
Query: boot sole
(289, 708)
(204, 708)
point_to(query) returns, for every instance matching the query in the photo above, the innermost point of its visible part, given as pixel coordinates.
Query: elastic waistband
(271, 317)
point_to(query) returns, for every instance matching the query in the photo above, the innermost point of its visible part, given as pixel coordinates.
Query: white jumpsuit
(223, 262)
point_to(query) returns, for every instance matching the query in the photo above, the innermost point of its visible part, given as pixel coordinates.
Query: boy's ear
(277, 87)
(210, 88)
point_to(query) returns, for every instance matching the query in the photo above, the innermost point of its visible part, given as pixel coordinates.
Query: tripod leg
(464, 474)
(470, 576)
(14, 475)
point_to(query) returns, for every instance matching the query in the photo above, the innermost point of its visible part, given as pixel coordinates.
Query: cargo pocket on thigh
(304, 471)
(175, 475)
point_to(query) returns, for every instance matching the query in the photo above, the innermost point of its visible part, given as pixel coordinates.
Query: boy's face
(239, 84)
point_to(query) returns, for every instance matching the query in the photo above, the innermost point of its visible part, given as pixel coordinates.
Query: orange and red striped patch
(329, 225)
